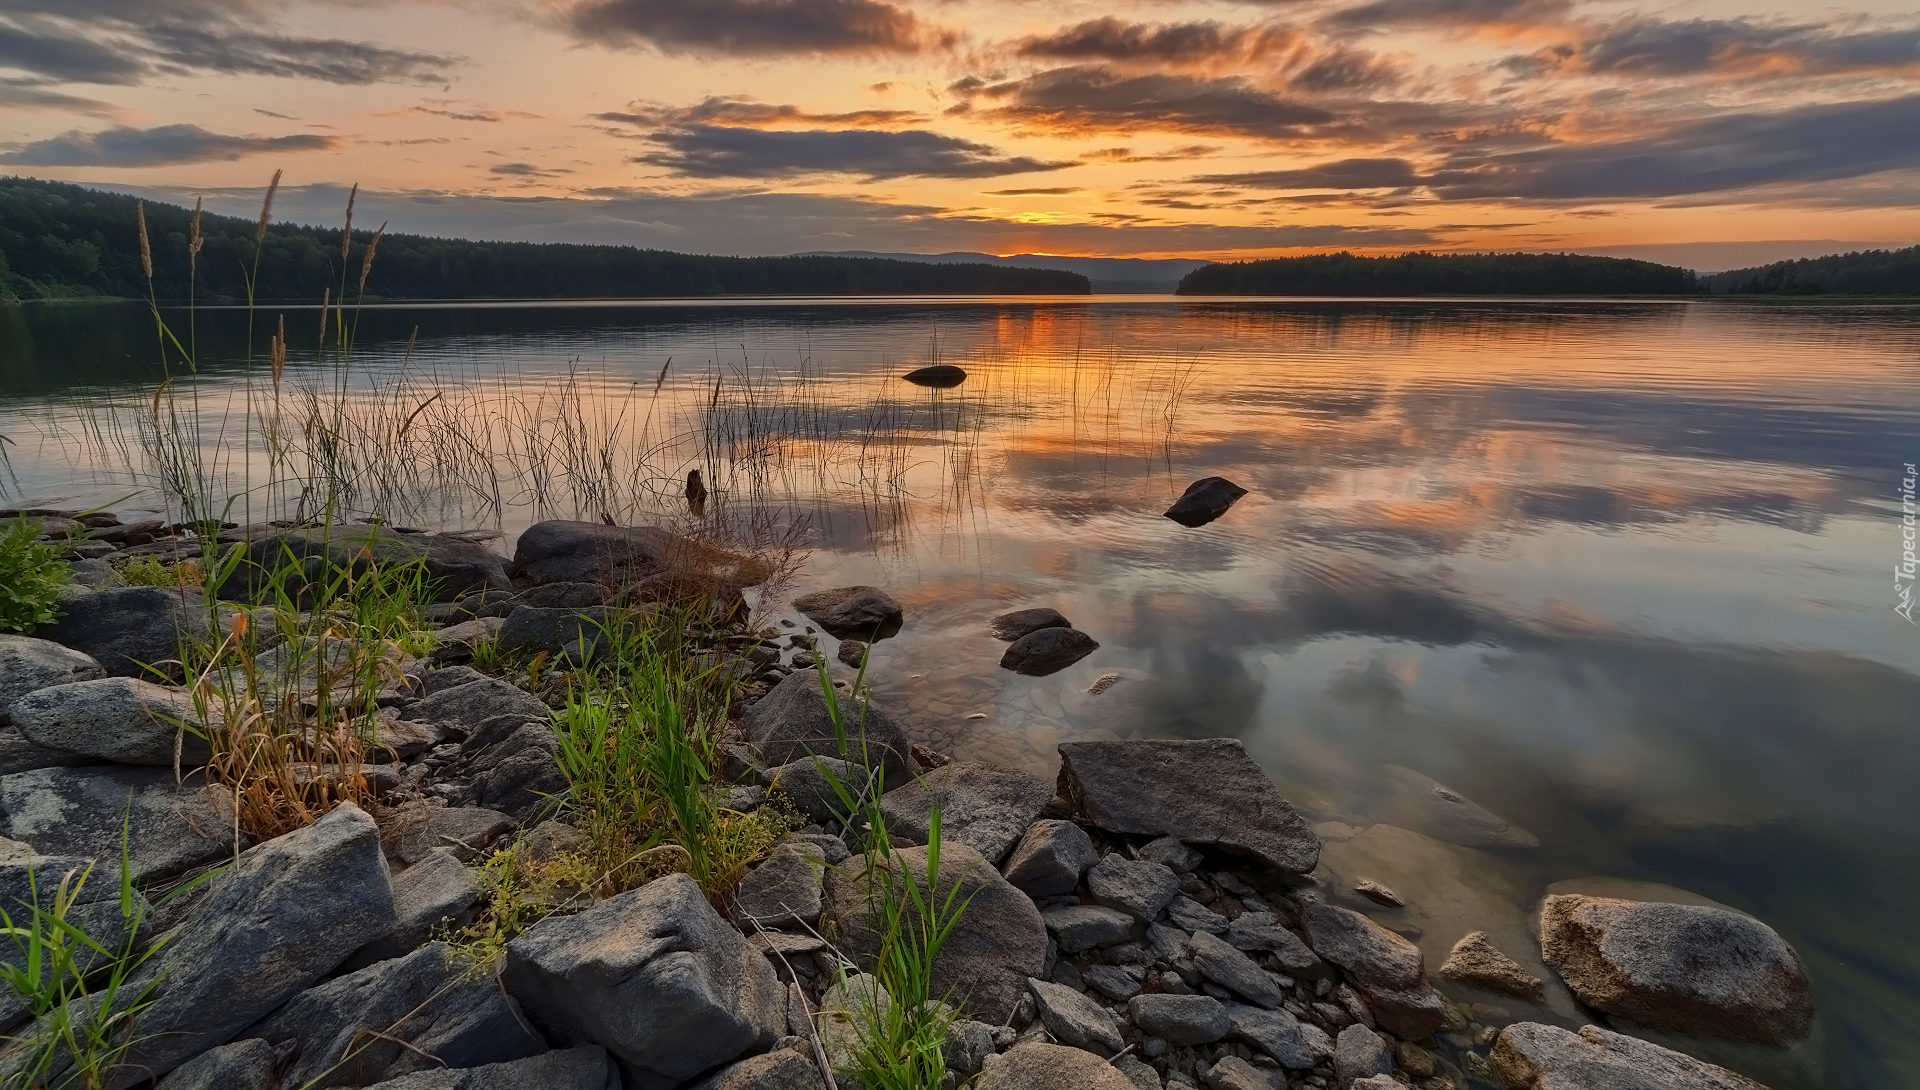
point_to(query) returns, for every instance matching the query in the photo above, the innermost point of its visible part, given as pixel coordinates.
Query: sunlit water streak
(1620, 572)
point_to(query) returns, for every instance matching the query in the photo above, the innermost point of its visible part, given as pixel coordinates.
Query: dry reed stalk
(346, 233)
(366, 262)
(194, 239)
(326, 296)
(278, 357)
(146, 248)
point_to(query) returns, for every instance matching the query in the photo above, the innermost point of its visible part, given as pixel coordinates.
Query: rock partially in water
(940, 376)
(1204, 500)
(1419, 803)
(1387, 969)
(852, 611)
(1012, 626)
(1685, 968)
(1047, 651)
(1206, 792)
(561, 551)
(1476, 961)
(1531, 1056)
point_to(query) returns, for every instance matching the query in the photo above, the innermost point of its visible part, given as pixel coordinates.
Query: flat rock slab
(563, 551)
(127, 629)
(1685, 968)
(119, 719)
(1204, 500)
(655, 976)
(1076, 1020)
(1414, 801)
(1530, 1056)
(1180, 1019)
(999, 943)
(1012, 626)
(1476, 961)
(242, 1065)
(79, 812)
(1204, 792)
(1048, 651)
(1297, 1045)
(27, 664)
(985, 807)
(453, 566)
(852, 611)
(793, 721)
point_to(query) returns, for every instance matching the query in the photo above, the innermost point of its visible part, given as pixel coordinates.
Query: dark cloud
(1654, 47)
(526, 170)
(106, 50)
(467, 113)
(167, 145)
(1343, 174)
(32, 95)
(1466, 13)
(742, 112)
(750, 28)
(1127, 155)
(65, 57)
(1115, 39)
(1827, 142)
(713, 151)
(1057, 191)
(1093, 98)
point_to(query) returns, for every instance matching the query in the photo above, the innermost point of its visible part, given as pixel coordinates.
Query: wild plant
(151, 571)
(31, 575)
(83, 994)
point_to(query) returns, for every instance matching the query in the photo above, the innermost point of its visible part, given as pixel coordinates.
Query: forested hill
(1865, 272)
(1441, 274)
(65, 241)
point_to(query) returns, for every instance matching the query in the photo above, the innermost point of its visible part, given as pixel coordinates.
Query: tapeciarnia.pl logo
(1903, 572)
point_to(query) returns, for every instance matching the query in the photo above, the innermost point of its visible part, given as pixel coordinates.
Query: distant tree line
(1441, 274)
(65, 241)
(1863, 272)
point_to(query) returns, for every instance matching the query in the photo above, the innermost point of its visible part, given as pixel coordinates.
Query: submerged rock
(1204, 500)
(940, 376)
(1012, 626)
(1530, 1056)
(1436, 810)
(1205, 792)
(1047, 651)
(852, 611)
(1685, 968)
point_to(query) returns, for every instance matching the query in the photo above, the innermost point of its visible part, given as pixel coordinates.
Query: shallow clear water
(1622, 573)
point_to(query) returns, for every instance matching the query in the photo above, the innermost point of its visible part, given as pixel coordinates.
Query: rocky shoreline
(1150, 919)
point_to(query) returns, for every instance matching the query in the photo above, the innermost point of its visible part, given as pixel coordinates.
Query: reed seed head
(146, 248)
(326, 296)
(346, 233)
(366, 263)
(266, 211)
(194, 238)
(279, 352)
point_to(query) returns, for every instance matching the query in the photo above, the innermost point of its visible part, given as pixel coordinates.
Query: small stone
(1180, 1019)
(1117, 982)
(782, 891)
(1262, 931)
(809, 783)
(1234, 1073)
(1378, 893)
(1358, 1053)
(1475, 961)
(1050, 859)
(1138, 1073)
(1173, 854)
(1075, 1020)
(1039, 1066)
(1141, 889)
(1083, 927)
(1297, 1045)
(1231, 969)
(1190, 915)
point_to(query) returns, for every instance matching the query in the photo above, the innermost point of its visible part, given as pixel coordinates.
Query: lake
(1620, 572)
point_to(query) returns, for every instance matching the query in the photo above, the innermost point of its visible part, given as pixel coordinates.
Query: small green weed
(31, 575)
(151, 571)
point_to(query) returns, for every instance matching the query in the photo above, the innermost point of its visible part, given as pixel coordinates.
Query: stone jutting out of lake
(1365, 624)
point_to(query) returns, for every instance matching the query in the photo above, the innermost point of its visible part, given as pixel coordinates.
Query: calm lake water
(1622, 573)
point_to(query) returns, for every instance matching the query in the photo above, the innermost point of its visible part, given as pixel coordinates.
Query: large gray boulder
(1050, 859)
(1205, 792)
(852, 611)
(19, 755)
(561, 551)
(783, 1069)
(1687, 968)
(982, 806)
(1050, 1067)
(1530, 1056)
(350, 1030)
(793, 721)
(654, 975)
(1387, 969)
(534, 628)
(453, 566)
(119, 719)
(987, 959)
(127, 629)
(458, 710)
(585, 1068)
(273, 924)
(168, 829)
(242, 1065)
(28, 664)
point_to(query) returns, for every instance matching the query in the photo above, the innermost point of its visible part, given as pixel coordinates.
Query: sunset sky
(1127, 128)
